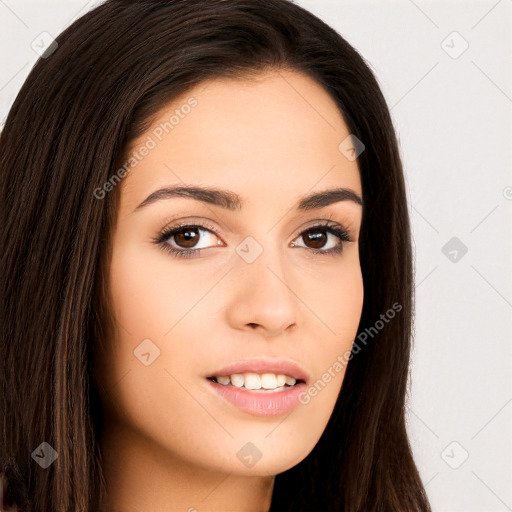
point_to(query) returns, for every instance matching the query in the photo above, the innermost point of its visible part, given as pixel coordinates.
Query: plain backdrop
(445, 70)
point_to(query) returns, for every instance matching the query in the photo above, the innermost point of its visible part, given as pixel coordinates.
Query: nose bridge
(263, 293)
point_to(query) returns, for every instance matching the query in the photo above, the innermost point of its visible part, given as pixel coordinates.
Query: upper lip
(263, 365)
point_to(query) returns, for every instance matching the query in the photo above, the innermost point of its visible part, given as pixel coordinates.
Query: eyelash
(162, 238)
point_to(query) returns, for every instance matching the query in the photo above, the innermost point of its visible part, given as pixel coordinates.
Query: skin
(168, 441)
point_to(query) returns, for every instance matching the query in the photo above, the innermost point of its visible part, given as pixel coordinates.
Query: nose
(262, 299)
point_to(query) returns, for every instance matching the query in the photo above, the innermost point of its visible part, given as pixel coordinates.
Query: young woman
(208, 287)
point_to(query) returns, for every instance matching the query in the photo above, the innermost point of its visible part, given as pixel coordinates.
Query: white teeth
(223, 380)
(237, 380)
(252, 381)
(268, 381)
(256, 381)
(290, 381)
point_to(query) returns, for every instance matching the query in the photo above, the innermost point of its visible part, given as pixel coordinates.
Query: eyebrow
(232, 201)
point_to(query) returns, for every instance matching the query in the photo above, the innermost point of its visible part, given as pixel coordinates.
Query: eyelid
(324, 224)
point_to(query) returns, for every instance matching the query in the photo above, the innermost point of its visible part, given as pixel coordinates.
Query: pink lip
(260, 403)
(257, 402)
(277, 366)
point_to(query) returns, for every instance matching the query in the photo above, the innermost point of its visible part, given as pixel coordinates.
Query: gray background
(451, 106)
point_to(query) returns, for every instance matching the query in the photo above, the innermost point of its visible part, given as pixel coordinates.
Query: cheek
(338, 304)
(336, 298)
(146, 293)
(153, 399)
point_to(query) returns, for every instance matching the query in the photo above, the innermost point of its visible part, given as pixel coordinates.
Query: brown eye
(186, 237)
(322, 239)
(317, 238)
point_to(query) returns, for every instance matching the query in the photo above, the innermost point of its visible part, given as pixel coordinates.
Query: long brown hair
(65, 137)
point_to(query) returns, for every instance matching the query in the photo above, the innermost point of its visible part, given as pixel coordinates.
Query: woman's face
(257, 288)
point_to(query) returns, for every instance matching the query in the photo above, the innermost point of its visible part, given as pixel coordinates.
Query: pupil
(317, 237)
(187, 237)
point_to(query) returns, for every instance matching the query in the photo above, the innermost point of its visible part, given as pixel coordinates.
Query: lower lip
(261, 403)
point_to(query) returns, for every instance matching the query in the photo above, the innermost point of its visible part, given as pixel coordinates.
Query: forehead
(275, 135)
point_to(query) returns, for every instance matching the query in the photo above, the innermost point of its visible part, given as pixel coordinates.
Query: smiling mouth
(263, 383)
